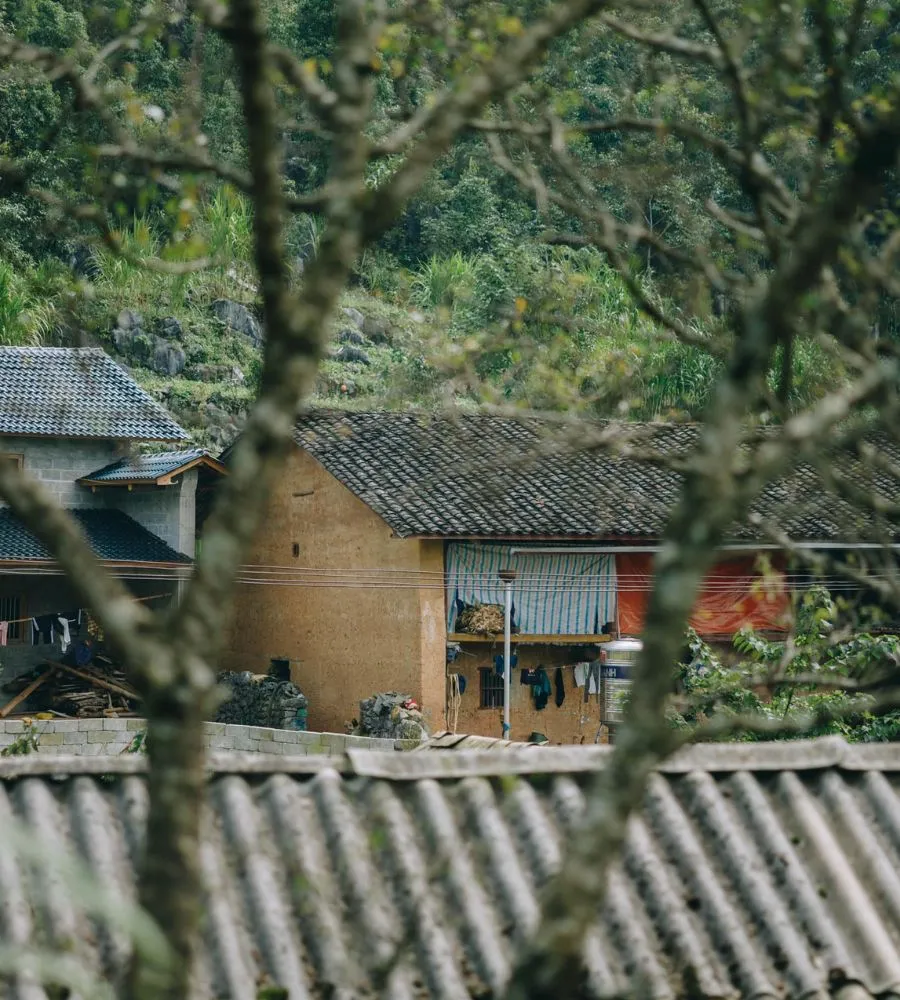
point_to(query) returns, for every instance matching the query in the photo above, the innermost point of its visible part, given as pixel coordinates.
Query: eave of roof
(127, 471)
(481, 476)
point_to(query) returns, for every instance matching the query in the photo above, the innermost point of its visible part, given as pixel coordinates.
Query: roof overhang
(607, 546)
(49, 567)
(165, 479)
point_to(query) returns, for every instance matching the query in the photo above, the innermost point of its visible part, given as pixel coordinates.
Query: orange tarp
(734, 594)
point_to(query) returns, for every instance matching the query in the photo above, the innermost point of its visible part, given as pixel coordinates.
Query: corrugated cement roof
(77, 392)
(483, 475)
(754, 871)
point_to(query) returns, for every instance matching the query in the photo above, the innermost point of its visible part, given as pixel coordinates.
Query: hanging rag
(527, 676)
(73, 617)
(42, 629)
(65, 638)
(585, 674)
(498, 662)
(4, 632)
(541, 690)
(560, 687)
(592, 685)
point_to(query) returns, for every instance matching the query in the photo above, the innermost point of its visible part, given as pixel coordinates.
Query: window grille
(10, 610)
(491, 688)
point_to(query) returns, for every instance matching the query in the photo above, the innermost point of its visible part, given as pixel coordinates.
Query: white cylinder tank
(615, 677)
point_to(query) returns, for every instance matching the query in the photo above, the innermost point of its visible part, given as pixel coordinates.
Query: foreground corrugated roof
(77, 392)
(753, 871)
(489, 476)
(149, 468)
(113, 535)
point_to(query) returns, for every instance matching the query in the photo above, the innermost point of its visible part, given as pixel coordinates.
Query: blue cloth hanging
(498, 662)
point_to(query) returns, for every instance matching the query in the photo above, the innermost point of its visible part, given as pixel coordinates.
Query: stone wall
(112, 736)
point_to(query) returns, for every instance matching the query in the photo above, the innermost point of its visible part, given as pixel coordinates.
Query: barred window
(10, 611)
(491, 688)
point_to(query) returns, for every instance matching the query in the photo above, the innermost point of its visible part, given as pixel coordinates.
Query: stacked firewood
(100, 689)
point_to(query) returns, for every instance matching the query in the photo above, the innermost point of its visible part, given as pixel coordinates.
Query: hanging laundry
(585, 673)
(42, 629)
(498, 662)
(541, 690)
(4, 632)
(592, 685)
(527, 676)
(73, 617)
(560, 686)
(64, 637)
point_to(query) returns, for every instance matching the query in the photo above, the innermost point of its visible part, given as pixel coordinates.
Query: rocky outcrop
(378, 331)
(355, 317)
(355, 354)
(143, 347)
(391, 715)
(229, 374)
(238, 318)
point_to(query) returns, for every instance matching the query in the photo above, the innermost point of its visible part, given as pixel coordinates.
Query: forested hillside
(480, 292)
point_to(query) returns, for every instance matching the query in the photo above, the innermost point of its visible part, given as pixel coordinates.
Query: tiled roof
(114, 537)
(492, 476)
(149, 468)
(755, 871)
(77, 392)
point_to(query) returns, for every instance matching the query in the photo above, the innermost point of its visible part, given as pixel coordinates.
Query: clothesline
(137, 600)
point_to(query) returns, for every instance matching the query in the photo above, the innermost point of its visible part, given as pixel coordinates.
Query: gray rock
(129, 320)
(238, 318)
(168, 358)
(348, 353)
(171, 329)
(145, 349)
(379, 331)
(391, 715)
(217, 373)
(351, 337)
(355, 317)
(258, 700)
(83, 262)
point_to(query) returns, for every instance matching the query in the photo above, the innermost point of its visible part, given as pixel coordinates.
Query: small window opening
(491, 688)
(296, 549)
(10, 611)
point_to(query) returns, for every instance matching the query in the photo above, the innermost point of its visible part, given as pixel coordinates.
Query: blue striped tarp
(554, 593)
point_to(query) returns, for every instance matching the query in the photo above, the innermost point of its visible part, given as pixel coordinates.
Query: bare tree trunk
(170, 885)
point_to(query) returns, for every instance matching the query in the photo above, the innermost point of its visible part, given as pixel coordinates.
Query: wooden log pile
(100, 689)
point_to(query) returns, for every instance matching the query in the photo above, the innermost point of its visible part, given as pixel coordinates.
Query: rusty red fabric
(734, 594)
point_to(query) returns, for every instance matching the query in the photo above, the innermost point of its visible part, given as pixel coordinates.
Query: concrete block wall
(90, 737)
(168, 512)
(59, 462)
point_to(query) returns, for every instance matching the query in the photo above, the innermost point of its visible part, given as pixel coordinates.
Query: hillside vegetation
(468, 299)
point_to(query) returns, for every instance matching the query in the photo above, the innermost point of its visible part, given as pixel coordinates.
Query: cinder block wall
(113, 736)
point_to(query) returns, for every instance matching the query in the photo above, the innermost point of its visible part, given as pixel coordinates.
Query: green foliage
(797, 684)
(25, 317)
(28, 742)
(506, 315)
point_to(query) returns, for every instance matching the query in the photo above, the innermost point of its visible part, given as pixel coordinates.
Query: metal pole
(507, 576)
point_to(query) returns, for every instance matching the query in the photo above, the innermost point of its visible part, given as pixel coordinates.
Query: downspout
(507, 576)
